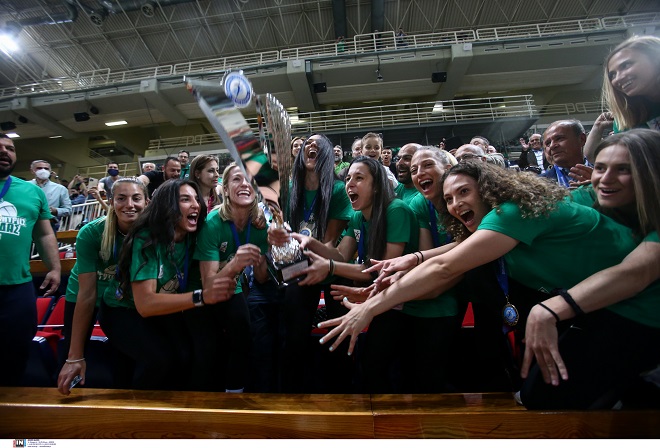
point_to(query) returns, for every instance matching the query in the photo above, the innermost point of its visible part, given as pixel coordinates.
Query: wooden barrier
(43, 413)
(38, 267)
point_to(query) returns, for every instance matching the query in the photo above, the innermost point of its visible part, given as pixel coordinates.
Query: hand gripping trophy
(263, 158)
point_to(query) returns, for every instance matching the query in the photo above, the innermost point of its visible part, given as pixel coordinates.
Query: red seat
(55, 320)
(43, 308)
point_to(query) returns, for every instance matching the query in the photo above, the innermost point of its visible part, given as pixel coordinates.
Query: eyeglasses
(467, 157)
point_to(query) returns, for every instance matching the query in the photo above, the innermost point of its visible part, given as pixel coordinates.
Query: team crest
(223, 247)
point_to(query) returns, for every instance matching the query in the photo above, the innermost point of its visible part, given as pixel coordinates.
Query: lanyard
(5, 189)
(510, 313)
(434, 225)
(183, 279)
(562, 178)
(234, 232)
(361, 254)
(307, 212)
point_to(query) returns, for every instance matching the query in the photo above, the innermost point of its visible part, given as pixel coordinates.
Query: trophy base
(286, 274)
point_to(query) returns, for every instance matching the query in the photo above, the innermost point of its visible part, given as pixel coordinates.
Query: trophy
(264, 159)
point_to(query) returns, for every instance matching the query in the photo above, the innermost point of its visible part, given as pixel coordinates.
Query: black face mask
(73, 196)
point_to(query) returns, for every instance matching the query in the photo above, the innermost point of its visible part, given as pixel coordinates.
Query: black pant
(266, 329)
(604, 354)
(158, 345)
(408, 354)
(221, 344)
(300, 305)
(18, 325)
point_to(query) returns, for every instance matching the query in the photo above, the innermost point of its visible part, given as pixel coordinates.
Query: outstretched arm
(439, 274)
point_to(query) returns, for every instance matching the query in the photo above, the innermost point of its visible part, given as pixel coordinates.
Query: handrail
(384, 41)
(385, 116)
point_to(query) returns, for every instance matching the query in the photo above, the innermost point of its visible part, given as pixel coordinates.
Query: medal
(305, 231)
(510, 314)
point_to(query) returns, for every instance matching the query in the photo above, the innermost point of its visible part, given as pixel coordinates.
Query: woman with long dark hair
(381, 228)
(317, 207)
(142, 317)
(204, 171)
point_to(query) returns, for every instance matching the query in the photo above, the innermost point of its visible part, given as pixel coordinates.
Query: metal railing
(382, 117)
(384, 41)
(81, 214)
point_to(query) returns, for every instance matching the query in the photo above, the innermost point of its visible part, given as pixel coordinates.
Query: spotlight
(7, 125)
(81, 116)
(22, 119)
(320, 87)
(439, 77)
(379, 78)
(94, 110)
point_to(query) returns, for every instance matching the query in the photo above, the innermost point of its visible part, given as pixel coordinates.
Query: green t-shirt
(406, 194)
(215, 241)
(562, 249)
(644, 308)
(339, 208)
(88, 246)
(22, 206)
(445, 304)
(155, 264)
(584, 195)
(401, 227)
(653, 123)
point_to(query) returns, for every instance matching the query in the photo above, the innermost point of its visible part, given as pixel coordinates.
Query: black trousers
(221, 344)
(159, 346)
(18, 325)
(408, 354)
(604, 354)
(299, 308)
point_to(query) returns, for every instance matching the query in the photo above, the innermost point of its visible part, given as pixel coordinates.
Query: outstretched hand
(351, 324)
(541, 342)
(354, 294)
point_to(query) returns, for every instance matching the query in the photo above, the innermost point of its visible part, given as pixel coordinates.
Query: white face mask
(43, 174)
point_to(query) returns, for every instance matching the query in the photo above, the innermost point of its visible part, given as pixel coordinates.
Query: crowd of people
(561, 252)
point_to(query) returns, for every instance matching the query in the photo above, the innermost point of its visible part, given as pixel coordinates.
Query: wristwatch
(198, 298)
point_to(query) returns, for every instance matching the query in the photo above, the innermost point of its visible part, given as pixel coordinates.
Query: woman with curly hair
(231, 243)
(521, 219)
(317, 207)
(142, 317)
(631, 89)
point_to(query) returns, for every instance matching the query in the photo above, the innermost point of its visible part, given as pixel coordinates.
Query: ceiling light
(55, 136)
(379, 77)
(8, 36)
(13, 135)
(116, 123)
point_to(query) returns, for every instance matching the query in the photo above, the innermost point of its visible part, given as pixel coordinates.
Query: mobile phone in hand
(75, 382)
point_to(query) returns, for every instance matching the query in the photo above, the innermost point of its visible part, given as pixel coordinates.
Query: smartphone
(75, 382)
(93, 183)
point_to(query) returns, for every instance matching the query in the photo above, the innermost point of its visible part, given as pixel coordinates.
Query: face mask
(74, 195)
(113, 172)
(43, 174)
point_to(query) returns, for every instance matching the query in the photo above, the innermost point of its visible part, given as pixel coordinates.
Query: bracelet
(421, 254)
(416, 256)
(549, 310)
(71, 361)
(571, 302)
(331, 271)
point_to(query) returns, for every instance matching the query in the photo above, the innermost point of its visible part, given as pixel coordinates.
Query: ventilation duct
(52, 19)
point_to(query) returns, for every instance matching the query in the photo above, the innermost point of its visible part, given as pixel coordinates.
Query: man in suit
(564, 140)
(532, 153)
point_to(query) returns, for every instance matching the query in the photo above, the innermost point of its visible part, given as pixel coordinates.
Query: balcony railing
(362, 43)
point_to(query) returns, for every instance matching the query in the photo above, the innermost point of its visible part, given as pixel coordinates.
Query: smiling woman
(143, 315)
(526, 222)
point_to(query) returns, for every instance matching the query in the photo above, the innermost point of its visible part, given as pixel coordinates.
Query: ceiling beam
(23, 106)
(149, 89)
